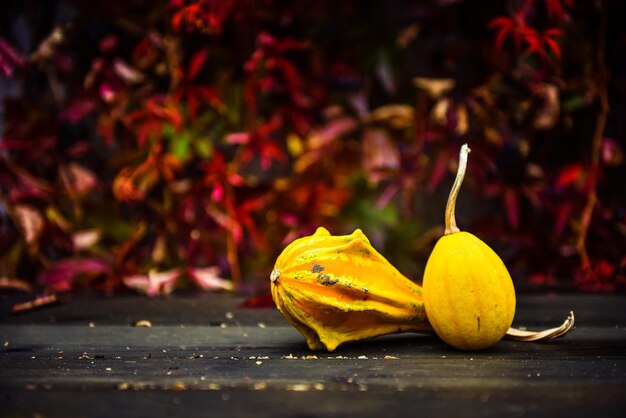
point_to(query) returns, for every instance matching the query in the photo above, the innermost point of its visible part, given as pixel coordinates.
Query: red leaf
(504, 26)
(292, 79)
(190, 15)
(499, 22)
(197, 62)
(534, 41)
(210, 95)
(554, 46)
(244, 214)
(542, 279)
(29, 186)
(562, 216)
(553, 32)
(206, 16)
(265, 40)
(261, 301)
(177, 20)
(15, 144)
(132, 184)
(235, 179)
(598, 277)
(150, 118)
(146, 51)
(192, 106)
(569, 175)
(439, 169)
(108, 43)
(218, 174)
(217, 194)
(556, 8)
(512, 207)
(237, 138)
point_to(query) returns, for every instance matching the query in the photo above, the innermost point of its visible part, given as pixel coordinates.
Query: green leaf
(180, 145)
(574, 103)
(203, 147)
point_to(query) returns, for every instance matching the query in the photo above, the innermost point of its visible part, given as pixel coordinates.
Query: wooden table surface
(204, 355)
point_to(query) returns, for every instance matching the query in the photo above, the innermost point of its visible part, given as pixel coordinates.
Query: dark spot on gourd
(478, 320)
(325, 280)
(317, 268)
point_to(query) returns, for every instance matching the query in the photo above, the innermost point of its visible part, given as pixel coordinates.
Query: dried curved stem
(451, 205)
(548, 334)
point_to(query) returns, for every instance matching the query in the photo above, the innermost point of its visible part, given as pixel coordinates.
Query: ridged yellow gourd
(336, 289)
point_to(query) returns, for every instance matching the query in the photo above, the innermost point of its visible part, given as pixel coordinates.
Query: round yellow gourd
(468, 293)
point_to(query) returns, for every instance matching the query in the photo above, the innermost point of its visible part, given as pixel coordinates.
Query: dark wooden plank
(432, 403)
(205, 356)
(210, 309)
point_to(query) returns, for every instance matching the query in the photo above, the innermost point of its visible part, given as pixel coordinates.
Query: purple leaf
(77, 179)
(62, 275)
(9, 59)
(75, 112)
(154, 283)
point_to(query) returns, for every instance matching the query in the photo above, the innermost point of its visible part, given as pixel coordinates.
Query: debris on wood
(38, 302)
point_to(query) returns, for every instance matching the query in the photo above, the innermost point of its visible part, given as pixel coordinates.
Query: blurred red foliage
(155, 145)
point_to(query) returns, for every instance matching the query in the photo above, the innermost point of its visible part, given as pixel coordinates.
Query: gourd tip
(274, 275)
(321, 232)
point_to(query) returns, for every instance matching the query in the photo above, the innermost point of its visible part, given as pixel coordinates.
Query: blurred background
(164, 145)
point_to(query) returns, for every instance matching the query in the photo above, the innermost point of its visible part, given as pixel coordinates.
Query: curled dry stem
(454, 192)
(548, 334)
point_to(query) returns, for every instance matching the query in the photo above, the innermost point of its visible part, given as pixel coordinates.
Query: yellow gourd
(468, 292)
(336, 289)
